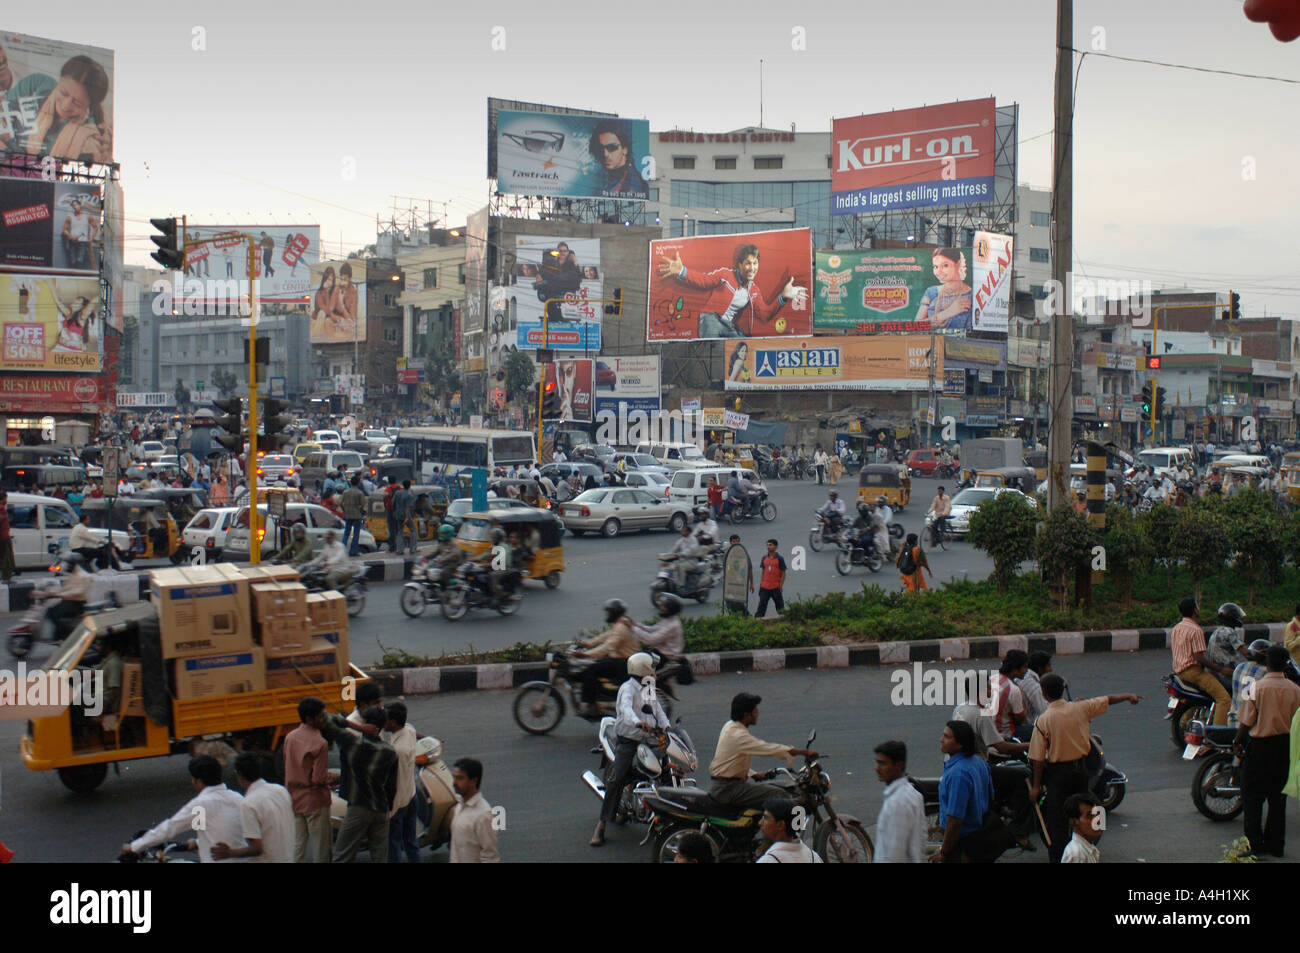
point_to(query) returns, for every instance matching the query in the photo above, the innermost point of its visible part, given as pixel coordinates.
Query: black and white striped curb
(16, 596)
(499, 675)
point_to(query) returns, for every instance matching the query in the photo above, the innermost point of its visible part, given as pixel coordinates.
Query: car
(323, 463)
(457, 510)
(676, 456)
(965, 503)
(167, 460)
(276, 466)
(376, 436)
(612, 511)
(331, 444)
(606, 379)
(318, 520)
(562, 471)
(300, 452)
(922, 462)
(394, 431)
(40, 525)
(152, 449)
(386, 451)
(208, 530)
(649, 480)
(641, 461)
(137, 472)
(598, 453)
(322, 435)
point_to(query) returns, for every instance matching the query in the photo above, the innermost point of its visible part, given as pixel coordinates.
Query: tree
(440, 376)
(1200, 541)
(1126, 548)
(1064, 547)
(225, 382)
(1157, 525)
(519, 375)
(1255, 533)
(1004, 528)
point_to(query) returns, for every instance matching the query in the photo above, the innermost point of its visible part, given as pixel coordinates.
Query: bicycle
(940, 535)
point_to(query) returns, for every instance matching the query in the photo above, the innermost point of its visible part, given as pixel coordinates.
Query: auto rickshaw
(183, 504)
(1291, 476)
(539, 530)
(151, 528)
(430, 505)
(526, 491)
(1245, 478)
(889, 480)
(1037, 461)
(1024, 479)
(399, 468)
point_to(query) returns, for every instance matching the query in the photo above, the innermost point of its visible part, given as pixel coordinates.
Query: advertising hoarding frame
(336, 316)
(572, 155)
(38, 63)
(874, 362)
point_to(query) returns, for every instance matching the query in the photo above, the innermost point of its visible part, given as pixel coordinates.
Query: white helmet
(640, 665)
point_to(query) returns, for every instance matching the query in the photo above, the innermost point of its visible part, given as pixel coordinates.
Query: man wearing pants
(1187, 641)
(1061, 741)
(819, 461)
(772, 581)
(306, 775)
(1266, 714)
(637, 718)
(729, 781)
(370, 788)
(353, 504)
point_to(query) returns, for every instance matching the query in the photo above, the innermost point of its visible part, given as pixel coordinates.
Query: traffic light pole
(546, 325)
(254, 541)
(1155, 371)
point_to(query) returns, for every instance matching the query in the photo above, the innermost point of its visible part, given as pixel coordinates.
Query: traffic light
(171, 250)
(274, 422)
(1233, 312)
(233, 423)
(617, 307)
(1153, 363)
(1160, 401)
(1146, 400)
(550, 395)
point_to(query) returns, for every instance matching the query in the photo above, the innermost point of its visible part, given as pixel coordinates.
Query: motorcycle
(698, 581)
(36, 627)
(1217, 783)
(427, 585)
(170, 852)
(825, 529)
(756, 504)
(852, 554)
(948, 471)
(733, 832)
(539, 706)
(470, 589)
(1187, 703)
(353, 587)
(435, 796)
(669, 762)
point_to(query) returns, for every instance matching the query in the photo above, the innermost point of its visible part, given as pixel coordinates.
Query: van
(41, 477)
(36, 524)
(675, 456)
(1165, 460)
(690, 485)
(322, 463)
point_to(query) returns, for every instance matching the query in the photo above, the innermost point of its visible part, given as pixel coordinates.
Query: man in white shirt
(900, 829)
(266, 815)
(473, 825)
(1031, 689)
(1086, 827)
(401, 823)
(333, 560)
(638, 716)
(212, 815)
(776, 825)
(534, 473)
(559, 456)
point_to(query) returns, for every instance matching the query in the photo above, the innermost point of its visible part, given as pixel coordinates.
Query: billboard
(566, 272)
(577, 395)
(286, 256)
(913, 158)
(992, 282)
(114, 232)
(895, 362)
(476, 271)
(52, 393)
(633, 381)
(51, 323)
(893, 290)
(58, 98)
(338, 303)
(49, 226)
(544, 153)
(728, 286)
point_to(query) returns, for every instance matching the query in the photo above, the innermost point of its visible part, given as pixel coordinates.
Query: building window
(654, 195)
(968, 236)
(392, 336)
(769, 162)
(1040, 254)
(683, 162)
(1038, 291)
(675, 228)
(460, 273)
(945, 236)
(430, 278)
(828, 162)
(1040, 219)
(724, 162)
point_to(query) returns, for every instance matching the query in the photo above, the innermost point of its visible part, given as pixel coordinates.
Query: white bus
(453, 449)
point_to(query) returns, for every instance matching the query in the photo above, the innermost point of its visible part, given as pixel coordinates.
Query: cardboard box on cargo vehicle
(201, 610)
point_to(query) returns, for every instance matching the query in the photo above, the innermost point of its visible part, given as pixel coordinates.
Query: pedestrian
(401, 823)
(819, 462)
(1040, 664)
(1011, 712)
(901, 826)
(836, 468)
(266, 813)
(306, 775)
(369, 786)
(1084, 814)
(1060, 744)
(394, 527)
(6, 540)
(404, 510)
(1192, 665)
(777, 826)
(1266, 716)
(965, 792)
(715, 497)
(473, 822)
(353, 504)
(771, 581)
(912, 564)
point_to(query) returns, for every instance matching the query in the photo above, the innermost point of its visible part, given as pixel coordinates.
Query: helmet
(299, 529)
(615, 609)
(640, 665)
(880, 501)
(864, 509)
(669, 604)
(1230, 614)
(702, 512)
(498, 534)
(833, 494)
(1257, 651)
(445, 533)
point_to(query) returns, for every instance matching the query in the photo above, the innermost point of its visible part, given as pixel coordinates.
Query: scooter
(698, 581)
(428, 584)
(669, 762)
(36, 627)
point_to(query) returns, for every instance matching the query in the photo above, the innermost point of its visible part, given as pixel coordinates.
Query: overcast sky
(261, 125)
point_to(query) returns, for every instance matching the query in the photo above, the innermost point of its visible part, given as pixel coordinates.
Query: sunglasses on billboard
(538, 140)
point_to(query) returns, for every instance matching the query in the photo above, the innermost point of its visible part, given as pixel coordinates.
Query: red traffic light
(550, 386)
(1153, 363)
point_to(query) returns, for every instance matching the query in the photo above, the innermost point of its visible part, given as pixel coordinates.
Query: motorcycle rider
(706, 529)
(332, 561)
(447, 557)
(72, 594)
(638, 718)
(863, 533)
(833, 510)
(940, 509)
(886, 514)
(667, 637)
(880, 530)
(611, 650)
(729, 774)
(498, 558)
(1226, 647)
(1248, 671)
(735, 491)
(686, 553)
(298, 550)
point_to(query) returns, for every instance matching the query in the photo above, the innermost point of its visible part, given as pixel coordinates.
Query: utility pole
(1061, 407)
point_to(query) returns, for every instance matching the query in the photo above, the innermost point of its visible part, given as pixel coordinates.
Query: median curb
(434, 680)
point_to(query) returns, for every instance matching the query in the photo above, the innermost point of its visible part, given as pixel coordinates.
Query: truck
(992, 453)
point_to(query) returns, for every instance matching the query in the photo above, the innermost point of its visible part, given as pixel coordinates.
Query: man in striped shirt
(1187, 641)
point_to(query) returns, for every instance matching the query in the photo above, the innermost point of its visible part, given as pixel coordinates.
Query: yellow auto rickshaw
(1037, 461)
(526, 491)
(1291, 475)
(429, 507)
(539, 531)
(151, 530)
(1024, 479)
(889, 480)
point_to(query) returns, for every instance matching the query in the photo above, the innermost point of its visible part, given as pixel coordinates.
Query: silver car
(965, 503)
(611, 511)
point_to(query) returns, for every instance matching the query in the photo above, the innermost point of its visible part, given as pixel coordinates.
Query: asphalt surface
(550, 812)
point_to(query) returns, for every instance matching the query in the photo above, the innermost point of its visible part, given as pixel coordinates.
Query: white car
(319, 522)
(208, 530)
(151, 450)
(965, 503)
(376, 436)
(320, 436)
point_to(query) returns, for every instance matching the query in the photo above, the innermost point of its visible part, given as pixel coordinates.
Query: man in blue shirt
(965, 790)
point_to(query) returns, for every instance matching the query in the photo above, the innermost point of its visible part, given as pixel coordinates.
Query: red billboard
(914, 158)
(715, 287)
(36, 393)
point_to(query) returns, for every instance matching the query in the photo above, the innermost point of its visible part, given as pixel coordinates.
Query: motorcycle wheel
(702, 595)
(454, 605)
(356, 597)
(815, 541)
(509, 605)
(1182, 720)
(19, 645)
(664, 849)
(849, 845)
(412, 601)
(1213, 771)
(1111, 796)
(735, 515)
(769, 511)
(538, 708)
(843, 562)
(875, 562)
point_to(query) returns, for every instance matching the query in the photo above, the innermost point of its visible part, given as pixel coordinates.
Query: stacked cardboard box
(222, 673)
(327, 618)
(319, 663)
(201, 610)
(280, 610)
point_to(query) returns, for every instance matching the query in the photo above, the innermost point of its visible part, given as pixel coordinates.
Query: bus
(453, 449)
